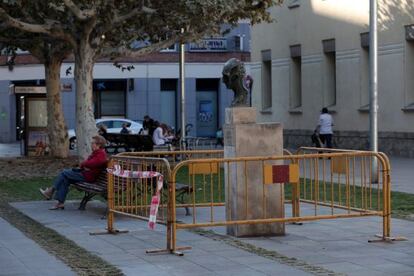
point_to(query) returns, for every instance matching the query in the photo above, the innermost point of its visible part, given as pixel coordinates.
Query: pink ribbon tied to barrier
(155, 200)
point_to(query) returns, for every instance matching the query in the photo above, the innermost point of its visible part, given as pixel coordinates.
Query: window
(112, 103)
(168, 84)
(364, 67)
(329, 94)
(109, 98)
(107, 124)
(266, 80)
(295, 77)
(118, 124)
(409, 68)
(207, 84)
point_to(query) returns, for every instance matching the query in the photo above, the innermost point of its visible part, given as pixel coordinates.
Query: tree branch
(122, 18)
(52, 29)
(82, 15)
(32, 28)
(123, 51)
(117, 53)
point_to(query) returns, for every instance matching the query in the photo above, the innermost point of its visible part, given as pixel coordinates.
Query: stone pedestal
(243, 136)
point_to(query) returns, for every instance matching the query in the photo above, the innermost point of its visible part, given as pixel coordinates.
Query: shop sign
(29, 90)
(209, 45)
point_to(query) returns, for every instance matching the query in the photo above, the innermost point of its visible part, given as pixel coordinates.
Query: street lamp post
(373, 95)
(373, 65)
(182, 86)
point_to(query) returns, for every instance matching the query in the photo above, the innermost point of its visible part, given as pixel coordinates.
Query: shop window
(112, 103)
(110, 98)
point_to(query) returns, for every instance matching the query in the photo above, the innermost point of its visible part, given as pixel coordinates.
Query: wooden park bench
(91, 189)
(100, 187)
(128, 142)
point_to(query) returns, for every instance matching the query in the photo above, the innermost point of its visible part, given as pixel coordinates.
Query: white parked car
(113, 125)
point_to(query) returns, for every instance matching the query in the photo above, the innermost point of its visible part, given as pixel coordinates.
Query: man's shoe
(46, 193)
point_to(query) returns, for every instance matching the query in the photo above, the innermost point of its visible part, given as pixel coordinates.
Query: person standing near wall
(324, 127)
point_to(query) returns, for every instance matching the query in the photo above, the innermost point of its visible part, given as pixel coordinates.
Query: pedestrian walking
(324, 128)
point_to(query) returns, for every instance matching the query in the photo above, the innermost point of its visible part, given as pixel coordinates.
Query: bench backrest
(102, 179)
(138, 142)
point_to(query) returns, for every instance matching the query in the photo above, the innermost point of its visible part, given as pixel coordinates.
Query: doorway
(36, 138)
(206, 107)
(168, 102)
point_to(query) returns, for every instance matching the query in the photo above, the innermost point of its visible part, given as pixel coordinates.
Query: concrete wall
(343, 20)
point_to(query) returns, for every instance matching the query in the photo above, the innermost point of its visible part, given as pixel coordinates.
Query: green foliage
(109, 25)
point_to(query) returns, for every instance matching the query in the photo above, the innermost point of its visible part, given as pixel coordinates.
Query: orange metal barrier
(319, 185)
(130, 195)
(324, 186)
(174, 157)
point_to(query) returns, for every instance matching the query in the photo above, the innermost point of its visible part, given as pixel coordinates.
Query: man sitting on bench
(88, 171)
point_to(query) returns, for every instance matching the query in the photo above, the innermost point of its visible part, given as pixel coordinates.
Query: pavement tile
(21, 256)
(345, 239)
(250, 260)
(269, 269)
(393, 267)
(343, 267)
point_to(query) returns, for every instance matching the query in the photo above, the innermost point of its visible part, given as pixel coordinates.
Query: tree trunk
(57, 131)
(85, 119)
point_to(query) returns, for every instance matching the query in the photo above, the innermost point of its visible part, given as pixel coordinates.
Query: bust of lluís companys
(233, 75)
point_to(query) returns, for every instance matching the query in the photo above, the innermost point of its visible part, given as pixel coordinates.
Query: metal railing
(323, 183)
(174, 157)
(328, 185)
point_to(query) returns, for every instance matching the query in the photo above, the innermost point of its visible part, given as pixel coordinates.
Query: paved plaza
(339, 245)
(326, 247)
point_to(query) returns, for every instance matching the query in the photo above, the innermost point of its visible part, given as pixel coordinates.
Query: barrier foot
(176, 252)
(107, 232)
(388, 239)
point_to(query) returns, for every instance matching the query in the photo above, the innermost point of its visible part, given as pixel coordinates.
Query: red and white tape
(155, 200)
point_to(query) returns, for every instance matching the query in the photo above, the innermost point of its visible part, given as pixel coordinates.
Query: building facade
(316, 54)
(150, 87)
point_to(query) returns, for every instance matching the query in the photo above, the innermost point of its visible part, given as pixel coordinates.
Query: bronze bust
(233, 76)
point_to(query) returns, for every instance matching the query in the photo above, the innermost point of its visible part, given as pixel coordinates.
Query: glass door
(37, 140)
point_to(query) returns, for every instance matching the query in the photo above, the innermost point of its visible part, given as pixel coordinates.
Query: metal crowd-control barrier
(130, 194)
(200, 143)
(175, 157)
(324, 186)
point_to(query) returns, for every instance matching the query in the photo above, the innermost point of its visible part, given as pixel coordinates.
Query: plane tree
(51, 52)
(125, 28)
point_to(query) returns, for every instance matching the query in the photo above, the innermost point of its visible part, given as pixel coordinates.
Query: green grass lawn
(27, 190)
